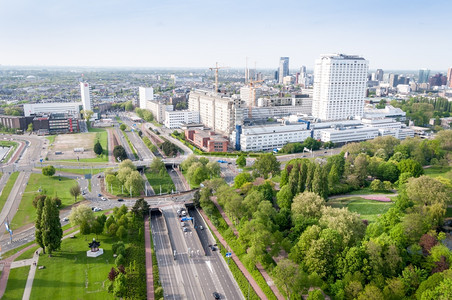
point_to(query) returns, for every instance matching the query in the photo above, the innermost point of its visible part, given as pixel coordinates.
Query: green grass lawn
(80, 171)
(51, 186)
(155, 180)
(16, 283)
(438, 171)
(51, 138)
(70, 274)
(14, 146)
(7, 189)
(368, 209)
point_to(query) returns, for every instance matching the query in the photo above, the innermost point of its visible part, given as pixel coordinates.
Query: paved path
(111, 145)
(8, 261)
(259, 267)
(239, 264)
(149, 275)
(34, 266)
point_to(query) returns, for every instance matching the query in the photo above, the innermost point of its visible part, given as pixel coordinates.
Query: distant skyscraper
(146, 94)
(339, 86)
(393, 80)
(449, 77)
(283, 69)
(86, 100)
(302, 78)
(424, 74)
(437, 80)
(379, 75)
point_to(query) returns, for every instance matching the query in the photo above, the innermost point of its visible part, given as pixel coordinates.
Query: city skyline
(199, 33)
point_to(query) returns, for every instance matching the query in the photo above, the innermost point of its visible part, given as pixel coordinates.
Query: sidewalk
(259, 267)
(239, 264)
(149, 274)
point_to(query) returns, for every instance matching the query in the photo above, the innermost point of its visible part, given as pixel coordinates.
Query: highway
(124, 143)
(178, 183)
(195, 274)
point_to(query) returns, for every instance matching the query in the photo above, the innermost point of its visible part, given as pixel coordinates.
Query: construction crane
(252, 86)
(216, 68)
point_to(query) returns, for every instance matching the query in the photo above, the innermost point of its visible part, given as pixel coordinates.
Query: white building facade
(145, 94)
(71, 108)
(158, 110)
(267, 138)
(339, 86)
(86, 99)
(174, 119)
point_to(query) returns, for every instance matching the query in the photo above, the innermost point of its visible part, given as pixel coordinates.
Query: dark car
(99, 195)
(120, 200)
(216, 295)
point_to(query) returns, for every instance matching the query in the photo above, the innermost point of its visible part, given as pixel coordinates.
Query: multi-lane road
(188, 268)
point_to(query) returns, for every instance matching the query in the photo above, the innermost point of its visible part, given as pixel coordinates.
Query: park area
(70, 274)
(54, 186)
(368, 209)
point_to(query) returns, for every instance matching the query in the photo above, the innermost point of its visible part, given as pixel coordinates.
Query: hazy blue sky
(394, 34)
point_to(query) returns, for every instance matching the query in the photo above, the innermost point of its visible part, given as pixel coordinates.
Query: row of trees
(145, 114)
(127, 278)
(48, 233)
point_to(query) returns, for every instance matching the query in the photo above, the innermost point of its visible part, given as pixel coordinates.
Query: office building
(177, 118)
(270, 137)
(207, 141)
(393, 80)
(15, 122)
(86, 99)
(339, 86)
(158, 109)
(72, 108)
(283, 69)
(145, 94)
(424, 74)
(437, 80)
(379, 75)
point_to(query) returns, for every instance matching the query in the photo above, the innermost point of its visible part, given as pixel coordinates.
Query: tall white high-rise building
(339, 86)
(86, 100)
(283, 69)
(145, 94)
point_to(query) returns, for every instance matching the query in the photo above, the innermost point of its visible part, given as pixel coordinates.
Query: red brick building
(207, 141)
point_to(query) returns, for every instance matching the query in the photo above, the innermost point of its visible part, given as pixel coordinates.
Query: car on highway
(185, 229)
(99, 195)
(216, 295)
(97, 209)
(182, 224)
(103, 199)
(120, 200)
(66, 219)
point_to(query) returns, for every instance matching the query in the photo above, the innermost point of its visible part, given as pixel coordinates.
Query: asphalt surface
(124, 143)
(180, 186)
(196, 271)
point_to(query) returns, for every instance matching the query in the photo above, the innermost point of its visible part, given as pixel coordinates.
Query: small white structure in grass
(95, 250)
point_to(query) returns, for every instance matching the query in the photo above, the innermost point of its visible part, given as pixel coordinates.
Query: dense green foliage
(397, 256)
(119, 153)
(420, 109)
(48, 171)
(127, 180)
(145, 114)
(128, 279)
(198, 170)
(159, 178)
